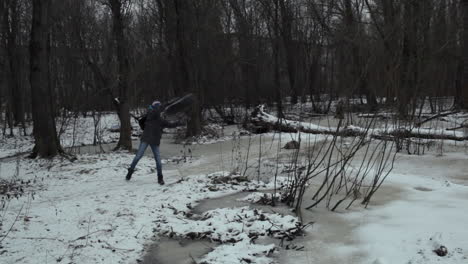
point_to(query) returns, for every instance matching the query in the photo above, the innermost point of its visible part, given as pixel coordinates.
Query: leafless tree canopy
(68, 55)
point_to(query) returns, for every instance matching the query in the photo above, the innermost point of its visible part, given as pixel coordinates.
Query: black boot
(160, 180)
(129, 174)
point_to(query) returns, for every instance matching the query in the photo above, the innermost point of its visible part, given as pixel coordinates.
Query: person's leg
(157, 158)
(138, 156)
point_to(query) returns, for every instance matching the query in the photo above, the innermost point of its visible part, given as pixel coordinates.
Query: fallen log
(260, 118)
(439, 115)
(415, 133)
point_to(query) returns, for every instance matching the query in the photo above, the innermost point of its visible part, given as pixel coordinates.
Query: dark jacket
(154, 126)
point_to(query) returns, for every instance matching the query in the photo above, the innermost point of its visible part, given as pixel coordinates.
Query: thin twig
(11, 227)
(87, 235)
(136, 236)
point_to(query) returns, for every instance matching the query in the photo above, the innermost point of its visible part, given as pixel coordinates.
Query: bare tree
(45, 134)
(237, 52)
(248, 64)
(122, 104)
(12, 22)
(464, 9)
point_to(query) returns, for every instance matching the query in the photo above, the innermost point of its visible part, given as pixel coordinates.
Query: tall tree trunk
(276, 74)
(184, 46)
(464, 89)
(123, 107)
(287, 17)
(180, 8)
(194, 126)
(13, 59)
(408, 57)
(45, 134)
(390, 42)
(359, 71)
(244, 35)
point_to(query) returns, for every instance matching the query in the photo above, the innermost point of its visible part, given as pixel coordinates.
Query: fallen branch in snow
(39, 238)
(454, 128)
(442, 114)
(423, 134)
(260, 118)
(266, 121)
(376, 115)
(136, 236)
(109, 246)
(88, 234)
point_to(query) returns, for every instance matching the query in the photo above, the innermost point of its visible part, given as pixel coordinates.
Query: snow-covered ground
(422, 206)
(10, 146)
(72, 132)
(433, 213)
(85, 212)
(81, 131)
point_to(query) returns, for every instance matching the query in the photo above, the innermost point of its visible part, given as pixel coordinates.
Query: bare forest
(283, 131)
(60, 56)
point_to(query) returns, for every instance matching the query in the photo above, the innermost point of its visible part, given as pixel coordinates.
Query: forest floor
(85, 212)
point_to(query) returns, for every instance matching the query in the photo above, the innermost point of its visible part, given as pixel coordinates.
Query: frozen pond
(184, 251)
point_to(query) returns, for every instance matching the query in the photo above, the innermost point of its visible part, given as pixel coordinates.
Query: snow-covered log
(260, 118)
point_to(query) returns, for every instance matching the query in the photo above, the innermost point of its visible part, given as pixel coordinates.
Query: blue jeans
(141, 152)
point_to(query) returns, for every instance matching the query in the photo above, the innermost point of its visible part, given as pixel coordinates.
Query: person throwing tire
(152, 132)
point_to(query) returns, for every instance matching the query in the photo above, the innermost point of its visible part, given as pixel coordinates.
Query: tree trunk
(276, 74)
(187, 80)
(123, 108)
(244, 35)
(464, 8)
(194, 127)
(13, 59)
(408, 59)
(287, 17)
(45, 135)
